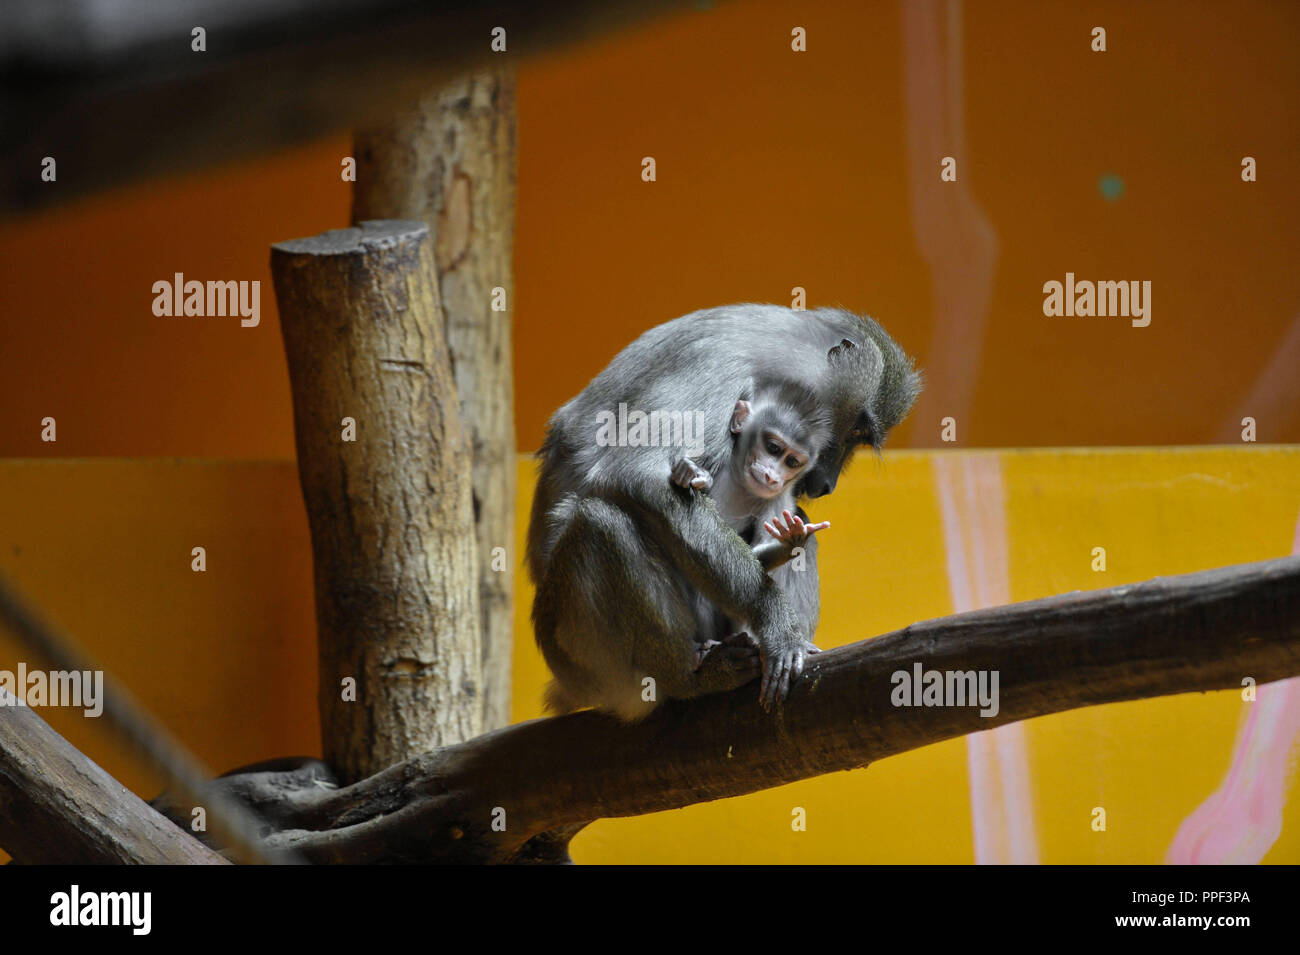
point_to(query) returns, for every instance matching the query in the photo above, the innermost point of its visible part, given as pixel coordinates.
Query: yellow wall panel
(226, 658)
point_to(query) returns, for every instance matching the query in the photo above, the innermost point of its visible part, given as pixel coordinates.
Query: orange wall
(775, 170)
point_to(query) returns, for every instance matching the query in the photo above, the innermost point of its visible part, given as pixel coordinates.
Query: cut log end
(368, 236)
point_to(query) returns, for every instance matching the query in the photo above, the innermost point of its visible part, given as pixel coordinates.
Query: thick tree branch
(1191, 633)
(56, 806)
(56, 824)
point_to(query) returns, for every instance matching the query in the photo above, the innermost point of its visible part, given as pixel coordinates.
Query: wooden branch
(450, 161)
(390, 510)
(1192, 633)
(59, 807)
(229, 822)
(1196, 632)
(86, 81)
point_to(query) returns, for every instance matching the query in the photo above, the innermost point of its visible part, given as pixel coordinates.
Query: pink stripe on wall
(971, 500)
(1241, 820)
(1273, 401)
(952, 232)
(960, 247)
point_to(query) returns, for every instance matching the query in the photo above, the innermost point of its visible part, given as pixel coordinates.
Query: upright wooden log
(450, 161)
(382, 458)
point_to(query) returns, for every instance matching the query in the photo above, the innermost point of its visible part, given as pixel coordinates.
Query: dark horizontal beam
(112, 90)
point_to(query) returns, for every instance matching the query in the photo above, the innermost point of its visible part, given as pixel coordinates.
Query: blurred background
(775, 170)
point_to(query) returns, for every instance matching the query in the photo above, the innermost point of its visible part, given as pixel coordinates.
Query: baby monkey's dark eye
(773, 448)
(793, 462)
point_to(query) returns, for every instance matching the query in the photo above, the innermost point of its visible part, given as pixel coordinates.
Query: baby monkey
(776, 438)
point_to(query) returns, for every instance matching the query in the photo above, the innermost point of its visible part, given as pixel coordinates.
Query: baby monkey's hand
(686, 473)
(793, 532)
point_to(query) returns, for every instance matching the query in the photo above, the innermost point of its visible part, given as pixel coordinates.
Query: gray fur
(620, 556)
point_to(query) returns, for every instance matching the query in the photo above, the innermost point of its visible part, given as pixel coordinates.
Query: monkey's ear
(739, 415)
(846, 344)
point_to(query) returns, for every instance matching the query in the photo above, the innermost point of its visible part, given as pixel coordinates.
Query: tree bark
(450, 161)
(59, 807)
(390, 511)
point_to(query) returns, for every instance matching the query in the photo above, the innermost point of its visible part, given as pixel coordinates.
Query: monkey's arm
(773, 554)
(799, 583)
(717, 562)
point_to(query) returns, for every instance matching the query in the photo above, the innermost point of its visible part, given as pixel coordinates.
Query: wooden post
(450, 161)
(383, 462)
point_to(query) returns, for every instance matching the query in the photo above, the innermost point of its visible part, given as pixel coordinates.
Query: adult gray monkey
(620, 555)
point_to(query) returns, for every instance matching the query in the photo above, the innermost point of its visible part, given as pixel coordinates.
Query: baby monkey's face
(774, 461)
(773, 447)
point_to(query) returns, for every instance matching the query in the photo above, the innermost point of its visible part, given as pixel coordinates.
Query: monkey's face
(773, 462)
(822, 477)
(854, 424)
(868, 392)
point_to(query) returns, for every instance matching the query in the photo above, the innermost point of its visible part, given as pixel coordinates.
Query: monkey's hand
(783, 647)
(793, 531)
(686, 473)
